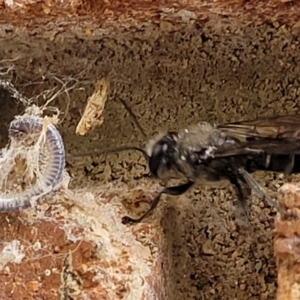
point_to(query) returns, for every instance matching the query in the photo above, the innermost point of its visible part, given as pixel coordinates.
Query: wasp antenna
(133, 116)
(115, 150)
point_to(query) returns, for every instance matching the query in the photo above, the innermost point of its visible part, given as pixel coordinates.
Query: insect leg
(259, 191)
(173, 190)
(238, 188)
(290, 166)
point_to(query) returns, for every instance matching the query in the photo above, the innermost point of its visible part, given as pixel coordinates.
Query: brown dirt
(221, 71)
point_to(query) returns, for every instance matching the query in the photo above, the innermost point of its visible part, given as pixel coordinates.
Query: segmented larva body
(53, 166)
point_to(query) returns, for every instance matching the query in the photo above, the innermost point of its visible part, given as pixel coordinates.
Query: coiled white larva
(53, 167)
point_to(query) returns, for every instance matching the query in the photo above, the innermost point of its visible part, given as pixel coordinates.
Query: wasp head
(161, 154)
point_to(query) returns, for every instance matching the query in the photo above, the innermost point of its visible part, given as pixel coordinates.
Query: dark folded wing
(273, 128)
(275, 135)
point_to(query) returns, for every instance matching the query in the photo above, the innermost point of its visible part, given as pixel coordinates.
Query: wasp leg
(173, 190)
(238, 189)
(260, 192)
(241, 192)
(290, 166)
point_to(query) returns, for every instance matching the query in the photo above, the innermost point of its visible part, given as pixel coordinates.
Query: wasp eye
(157, 158)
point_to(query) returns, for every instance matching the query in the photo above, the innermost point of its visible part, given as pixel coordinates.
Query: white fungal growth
(11, 254)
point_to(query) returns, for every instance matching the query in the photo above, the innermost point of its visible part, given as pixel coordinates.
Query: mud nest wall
(208, 62)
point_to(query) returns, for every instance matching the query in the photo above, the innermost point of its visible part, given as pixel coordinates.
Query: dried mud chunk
(287, 244)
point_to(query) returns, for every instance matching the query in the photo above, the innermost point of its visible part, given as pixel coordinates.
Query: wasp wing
(275, 135)
(282, 127)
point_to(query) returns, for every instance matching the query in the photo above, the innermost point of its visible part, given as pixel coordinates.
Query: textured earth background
(172, 76)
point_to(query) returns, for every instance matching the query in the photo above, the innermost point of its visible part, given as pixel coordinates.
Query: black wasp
(229, 152)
